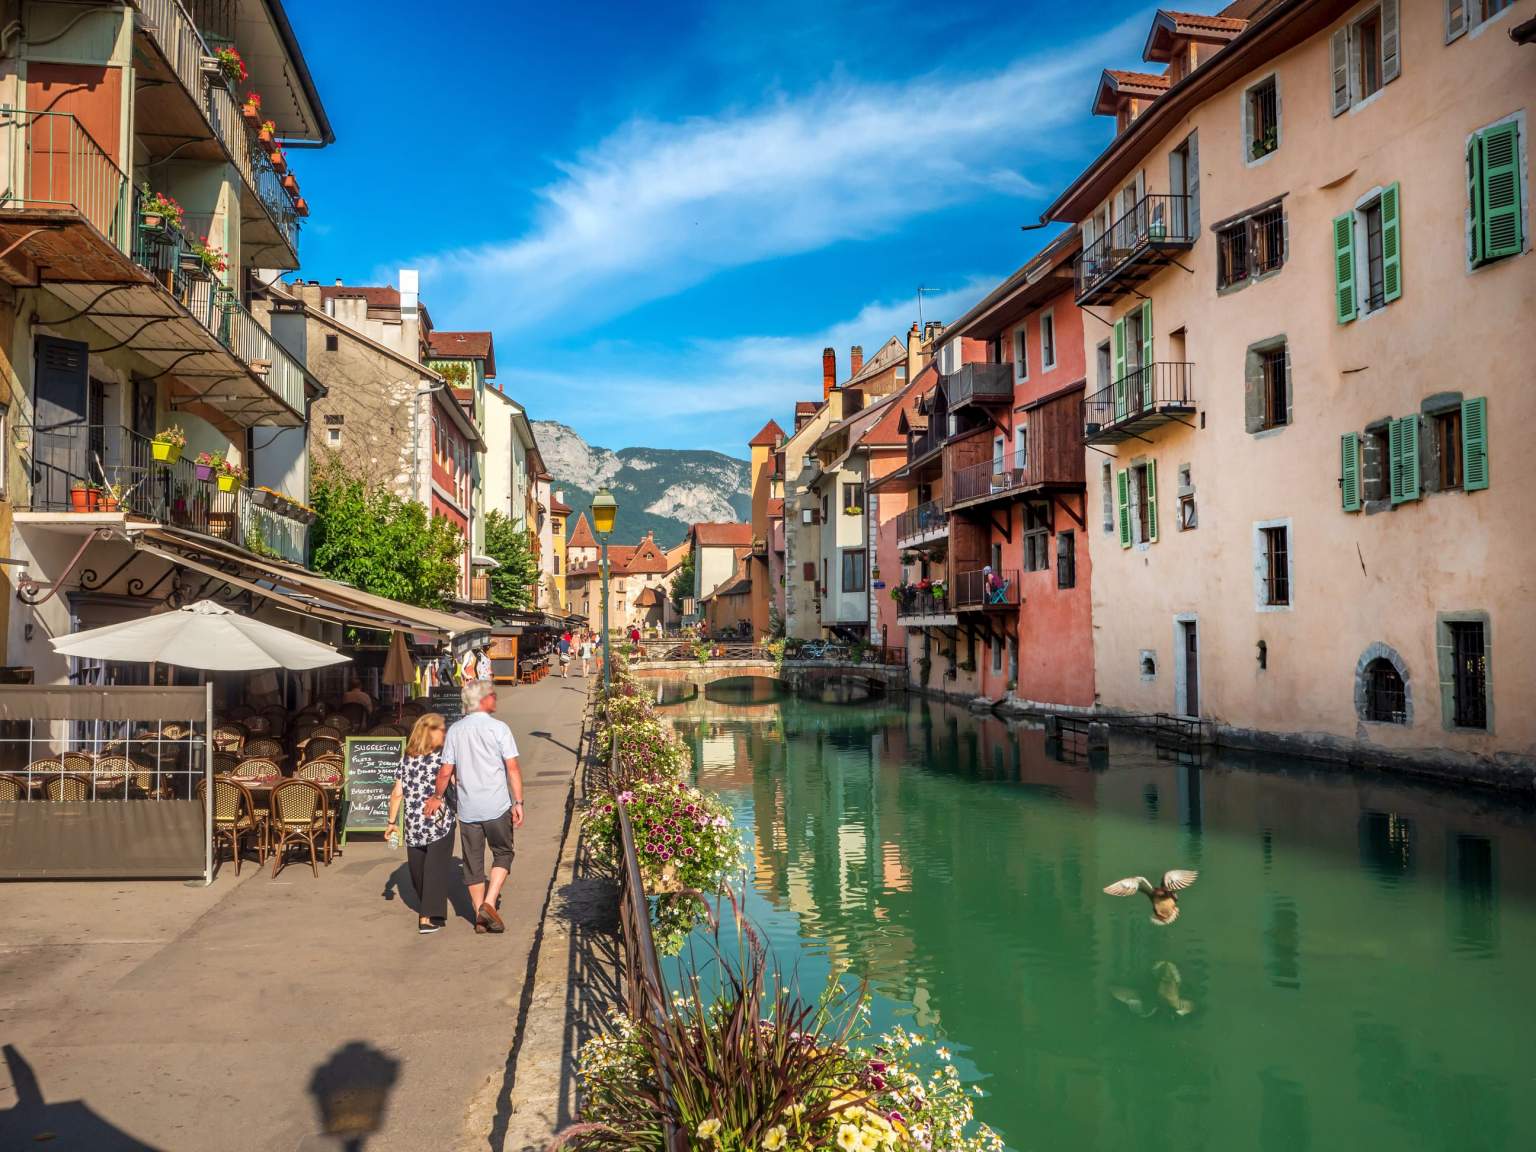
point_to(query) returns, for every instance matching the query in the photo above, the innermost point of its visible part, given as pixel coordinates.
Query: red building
(454, 443)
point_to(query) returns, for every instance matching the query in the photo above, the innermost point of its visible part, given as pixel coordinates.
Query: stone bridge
(820, 678)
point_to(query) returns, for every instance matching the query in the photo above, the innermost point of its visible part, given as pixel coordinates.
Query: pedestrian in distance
(482, 665)
(428, 839)
(586, 653)
(565, 656)
(480, 760)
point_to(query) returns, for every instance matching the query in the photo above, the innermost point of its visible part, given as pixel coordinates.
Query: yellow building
(559, 515)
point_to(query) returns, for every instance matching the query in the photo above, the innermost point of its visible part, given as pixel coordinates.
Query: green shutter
(1391, 246)
(1120, 369)
(1344, 266)
(1152, 500)
(1475, 196)
(1349, 471)
(1501, 221)
(1474, 444)
(1146, 354)
(1123, 506)
(1404, 444)
(1394, 457)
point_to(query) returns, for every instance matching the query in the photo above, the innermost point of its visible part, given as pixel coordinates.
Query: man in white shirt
(356, 694)
(480, 758)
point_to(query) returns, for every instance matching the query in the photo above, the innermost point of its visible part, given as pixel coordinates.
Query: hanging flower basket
(229, 482)
(279, 161)
(205, 473)
(291, 184)
(267, 136)
(301, 207)
(164, 451)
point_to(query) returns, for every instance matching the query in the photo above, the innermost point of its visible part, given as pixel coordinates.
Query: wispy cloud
(657, 207)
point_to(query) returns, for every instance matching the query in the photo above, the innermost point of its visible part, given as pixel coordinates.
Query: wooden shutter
(1152, 501)
(1474, 444)
(1147, 374)
(1120, 368)
(1349, 471)
(1123, 506)
(1391, 42)
(1344, 266)
(1340, 55)
(1391, 245)
(1455, 19)
(1501, 191)
(1403, 442)
(1192, 180)
(808, 570)
(1475, 198)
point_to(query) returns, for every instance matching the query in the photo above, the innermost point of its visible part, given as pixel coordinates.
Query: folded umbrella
(204, 635)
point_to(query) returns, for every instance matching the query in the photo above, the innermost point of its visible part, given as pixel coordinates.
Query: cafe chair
(327, 773)
(356, 715)
(79, 762)
(46, 766)
(229, 737)
(12, 789)
(264, 747)
(258, 725)
(67, 788)
(340, 721)
(318, 746)
(235, 818)
(300, 815)
(259, 767)
(225, 763)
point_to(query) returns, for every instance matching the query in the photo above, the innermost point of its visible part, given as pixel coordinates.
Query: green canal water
(1353, 969)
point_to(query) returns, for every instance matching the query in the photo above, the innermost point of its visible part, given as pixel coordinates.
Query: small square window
(1187, 517)
(333, 436)
(332, 343)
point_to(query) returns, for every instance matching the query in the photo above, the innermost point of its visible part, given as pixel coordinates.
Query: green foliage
(682, 581)
(511, 547)
(456, 372)
(370, 538)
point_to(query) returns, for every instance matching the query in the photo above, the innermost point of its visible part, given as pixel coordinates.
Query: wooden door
(74, 139)
(1191, 668)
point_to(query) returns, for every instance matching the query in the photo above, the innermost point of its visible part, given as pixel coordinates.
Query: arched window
(1385, 698)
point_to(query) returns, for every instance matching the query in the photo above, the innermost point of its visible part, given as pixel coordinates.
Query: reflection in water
(746, 690)
(956, 866)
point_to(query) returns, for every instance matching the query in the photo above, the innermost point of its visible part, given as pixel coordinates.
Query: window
(1376, 452)
(1250, 247)
(853, 498)
(1459, 13)
(997, 654)
(1261, 119)
(1021, 353)
(1107, 481)
(1447, 432)
(332, 343)
(1037, 539)
(1469, 679)
(999, 449)
(1403, 459)
(1364, 56)
(1385, 696)
(1184, 185)
(1274, 369)
(333, 437)
(1047, 342)
(1066, 559)
(1136, 504)
(1368, 271)
(1187, 518)
(1021, 446)
(1276, 566)
(1496, 211)
(853, 569)
(1104, 363)
(1370, 223)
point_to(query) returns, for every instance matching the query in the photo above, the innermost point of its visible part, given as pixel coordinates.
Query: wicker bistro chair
(139, 779)
(79, 762)
(67, 787)
(12, 789)
(229, 737)
(317, 746)
(300, 814)
(258, 725)
(46, 766)
(328, 729)
(234, 817)
(264, 747)
(328, 770)
(225, 763)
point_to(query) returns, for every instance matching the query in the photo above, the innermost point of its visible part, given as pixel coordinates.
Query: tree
(371, 538)
(512, 583)
(682, 582)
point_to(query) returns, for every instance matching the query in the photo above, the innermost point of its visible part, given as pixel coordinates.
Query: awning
(303, 592)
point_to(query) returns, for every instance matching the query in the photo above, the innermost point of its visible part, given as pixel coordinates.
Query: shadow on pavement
(31, 1122)
(351, 1091)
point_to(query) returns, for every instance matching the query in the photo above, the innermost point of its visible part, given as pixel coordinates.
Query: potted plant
(167, 445)
(231, 476)
(157, 211)
(301, 207)
(267, 135)
(233, 69)
(93, 497)
(80, 496)
(853, 510)
(111, 497)
(279, 161)
(211, 257)
(208, 464)
(291, 184)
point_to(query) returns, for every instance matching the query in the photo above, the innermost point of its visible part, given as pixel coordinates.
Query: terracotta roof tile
(1151, 81)
(462, 346)
(769, 436)
(723, 535)
(1196, 22)
(648, 598)
(385, 297)
(559, 507)
(806, 407)
(645, 557)
(581, 534)
(776, 507)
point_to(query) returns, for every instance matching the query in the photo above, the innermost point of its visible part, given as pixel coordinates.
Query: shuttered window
(1349, 471)
(1066, 559)
(1474, 444)
(1494, 193)
(1365, 55)
(1403, 453)
(1344, 266)
(1123, 505)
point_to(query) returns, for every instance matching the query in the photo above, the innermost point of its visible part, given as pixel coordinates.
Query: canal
(1352, 968)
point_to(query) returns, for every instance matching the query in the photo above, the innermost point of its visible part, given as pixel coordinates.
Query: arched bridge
(743, 661)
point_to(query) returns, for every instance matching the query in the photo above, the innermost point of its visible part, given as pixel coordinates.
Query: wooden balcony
(1148, 237)
(1138, 402)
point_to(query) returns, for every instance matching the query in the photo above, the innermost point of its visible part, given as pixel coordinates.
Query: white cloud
(658, 207)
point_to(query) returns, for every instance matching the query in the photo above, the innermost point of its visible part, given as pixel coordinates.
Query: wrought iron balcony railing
(916, 602)
(53, 163)
(1136, 245)
(920, 523)
(979, 384)
(980, 588)
(1150, 395)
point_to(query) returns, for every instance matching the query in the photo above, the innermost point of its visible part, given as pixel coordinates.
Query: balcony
(1140, 400)
(919, 605)
(1146, 238)
(62, 458)
(982, 591)
(1019, 472)
(979, 384)
(480, 589)
(197, 118)
(924, 524)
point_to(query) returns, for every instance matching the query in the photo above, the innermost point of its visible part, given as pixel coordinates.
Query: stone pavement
(153, 1015)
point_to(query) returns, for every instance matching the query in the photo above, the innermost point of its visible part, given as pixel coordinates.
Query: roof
(559, 507)
(768, 437)
(1027, 288)
(1113, 84)
(892, 352)
(464, 346)
(806, 407)
(714, 535)
(581, 534)
(678, 553)
(385, 297)
(776, 507)
(645, 557)
(301, 66)
(1167, 27)
(648, 598)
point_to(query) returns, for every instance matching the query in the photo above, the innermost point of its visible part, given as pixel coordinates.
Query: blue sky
(664, 212)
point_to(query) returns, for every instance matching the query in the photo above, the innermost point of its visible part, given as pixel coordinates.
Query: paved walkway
(153, 1015)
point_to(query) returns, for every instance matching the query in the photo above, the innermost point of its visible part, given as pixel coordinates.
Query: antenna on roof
(921, 291)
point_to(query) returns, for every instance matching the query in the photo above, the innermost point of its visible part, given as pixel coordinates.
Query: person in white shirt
(356, 694)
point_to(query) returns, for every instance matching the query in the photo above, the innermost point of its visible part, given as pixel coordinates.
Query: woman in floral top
(428, 839)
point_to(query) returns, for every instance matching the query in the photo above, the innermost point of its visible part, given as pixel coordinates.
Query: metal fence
(52, 162)
(920, 521)
(981, 588)
(1155, 220)
(916, 601)
(1142, 390)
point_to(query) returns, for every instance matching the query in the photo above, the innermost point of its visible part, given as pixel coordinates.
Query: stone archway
(1373, 653)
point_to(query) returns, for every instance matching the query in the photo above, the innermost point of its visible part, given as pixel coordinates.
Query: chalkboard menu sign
(447, 701)
(371, 764)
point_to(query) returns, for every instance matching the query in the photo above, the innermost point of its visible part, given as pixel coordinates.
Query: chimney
(828, 372)
(855, 359)
(338, 282)
(410, 284)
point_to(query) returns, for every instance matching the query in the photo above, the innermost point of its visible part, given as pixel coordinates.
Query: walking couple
(469, 772)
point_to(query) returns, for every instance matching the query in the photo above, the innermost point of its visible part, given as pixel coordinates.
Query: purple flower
(688, 851)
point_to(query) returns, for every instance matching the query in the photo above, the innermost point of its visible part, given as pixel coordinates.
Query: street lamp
(604, 509)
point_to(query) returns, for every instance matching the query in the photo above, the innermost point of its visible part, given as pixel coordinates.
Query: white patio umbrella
(204, 635)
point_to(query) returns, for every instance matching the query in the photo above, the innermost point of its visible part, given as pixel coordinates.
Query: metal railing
(1147, 389)
(822, 652)
(1153, 221)
(982, 383)
(982, 589)
(916, 602)
(64, 460)
(921, 521)
(993, 477)
(53, 163)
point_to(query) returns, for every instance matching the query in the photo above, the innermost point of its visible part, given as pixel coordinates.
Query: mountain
(659, 490)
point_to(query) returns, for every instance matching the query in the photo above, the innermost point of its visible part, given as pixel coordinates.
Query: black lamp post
(604, 509)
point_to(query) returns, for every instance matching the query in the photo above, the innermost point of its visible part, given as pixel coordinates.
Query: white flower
(776, 1138)
(708, 1128)
(847, 1137)
(942, 1053)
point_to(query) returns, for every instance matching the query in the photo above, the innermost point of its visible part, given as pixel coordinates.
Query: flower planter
(251, 114)
(80, 499)
(153, 221)
(165, 452)
(301, 207)
(92, 500)
(279, 162)
(291, 184)
(229, 483)
(204, 472)
(190, 261)
(109, 503)
(266, 138)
